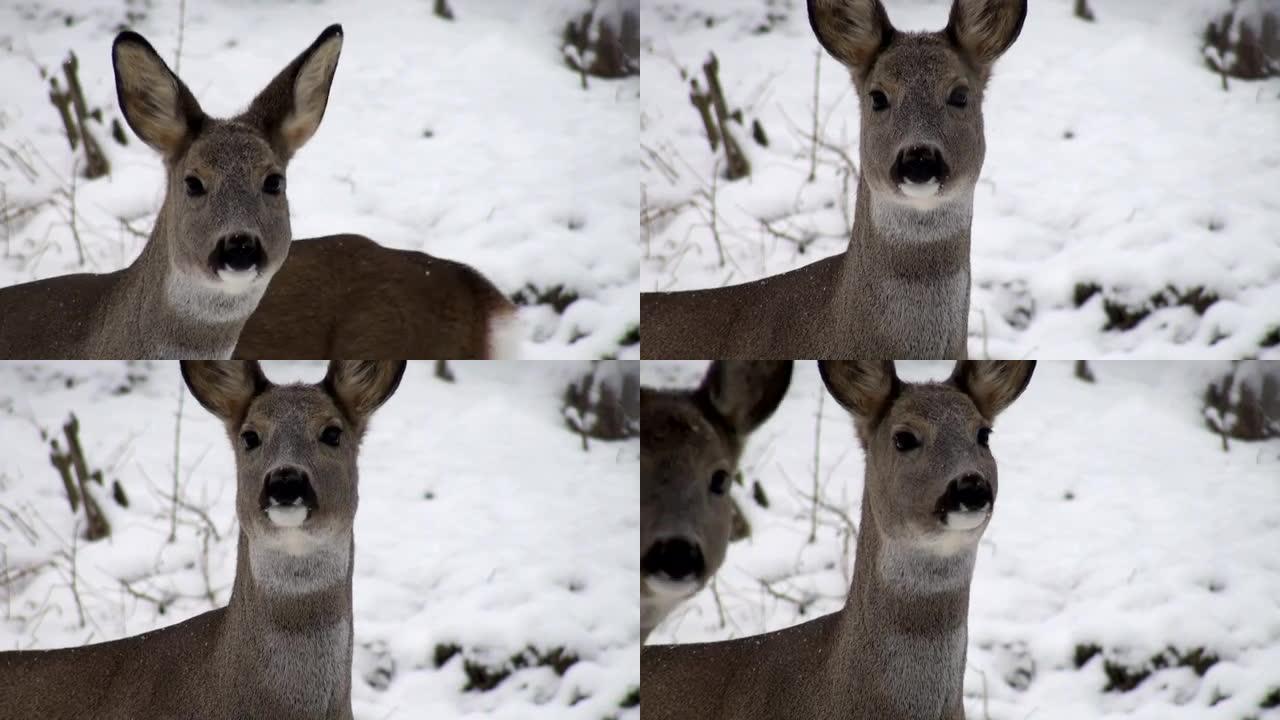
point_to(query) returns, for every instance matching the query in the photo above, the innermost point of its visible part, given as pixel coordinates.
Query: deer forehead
(229, 148)
(920, 59)
(300, 406)
(933, 408)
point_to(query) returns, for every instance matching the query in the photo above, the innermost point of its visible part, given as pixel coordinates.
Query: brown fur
(282, 646)
(347, 296)
(901, 289)
(896, 651)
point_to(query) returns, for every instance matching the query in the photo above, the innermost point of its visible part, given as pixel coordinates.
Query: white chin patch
(667, 587)
(287, 516)
(237, 281)
(966, 520)
(922, 190)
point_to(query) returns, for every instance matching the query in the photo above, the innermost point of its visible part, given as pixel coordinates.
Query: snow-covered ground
(469, 140)
(483, 527)
(1121, 525)
(1117, 170)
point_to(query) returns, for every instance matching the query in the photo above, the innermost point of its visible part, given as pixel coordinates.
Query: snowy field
(1122, 532)
(469, 140)
(484, 533)
(1119, 175)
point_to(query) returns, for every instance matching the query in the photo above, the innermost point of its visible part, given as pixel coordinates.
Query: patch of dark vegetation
(557, 296)
(1085, 653)
(1122, 678)
(630, 337)
(632, 699)
(1126, 317)
(1244, 403)
(603, 47)
(482, 677)
(1271, 699)
(605, 402)
(1084, 291)
(1244, 45)
(444, 653)
(1272, 338)
(757, 494)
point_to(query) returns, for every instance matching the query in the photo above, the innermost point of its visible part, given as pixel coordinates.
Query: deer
(221, 259)
(896, 650)
(901, 287)
(282, 646)
(691, 441)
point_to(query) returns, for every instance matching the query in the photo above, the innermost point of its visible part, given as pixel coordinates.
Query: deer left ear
(986, 28)
(993, 385)
(290, 108)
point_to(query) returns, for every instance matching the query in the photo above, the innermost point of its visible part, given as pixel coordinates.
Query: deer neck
(287, 638)
(906, 271)
(900, 648)
(154, 311)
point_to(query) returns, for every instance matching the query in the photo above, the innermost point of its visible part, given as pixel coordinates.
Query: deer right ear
(853, 31)
(864, 388)
(746, 392)
(155, 103)
(993, 385)
(225, 387)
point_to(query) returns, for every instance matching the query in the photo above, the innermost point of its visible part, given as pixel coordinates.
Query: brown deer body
(282, 646)
(896, 651)
(901, 289)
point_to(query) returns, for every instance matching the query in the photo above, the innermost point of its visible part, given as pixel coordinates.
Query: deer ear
(290, 108)
(362, 386)
(744, 392)
(864, 388)
(985, 28)
(993, 384)
(155, 103)
(853, 31)
(225, 387)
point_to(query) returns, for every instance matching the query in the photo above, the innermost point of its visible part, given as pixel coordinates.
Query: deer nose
(238, 252)
(676, 558)
(920, 164)
(970, 493)
(288, 487)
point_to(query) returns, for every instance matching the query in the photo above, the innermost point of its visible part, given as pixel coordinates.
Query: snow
(1121, 523)
(1114, 160)
(470, 140)
(482, 525)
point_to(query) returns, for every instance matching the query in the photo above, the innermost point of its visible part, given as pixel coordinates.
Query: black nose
(239, 252)
(288, 486)
(920, 164)
(676, 558)
(971, 492)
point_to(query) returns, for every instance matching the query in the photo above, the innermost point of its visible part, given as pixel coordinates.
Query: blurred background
(498, 133)
(1127, 206)
(495, 539)
(1130, 567)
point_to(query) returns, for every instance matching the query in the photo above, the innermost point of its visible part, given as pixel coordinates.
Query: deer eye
(274, 184)
(251, 439)
(984, 436)
(195, 188)
(959, 97)
(719, 482)
(331, 435)
(904, 441)
(879, 101)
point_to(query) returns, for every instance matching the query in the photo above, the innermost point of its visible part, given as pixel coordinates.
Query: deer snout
(288, 497)
(238, 253)
(674, 562)
(966, 503)
(920, 170)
